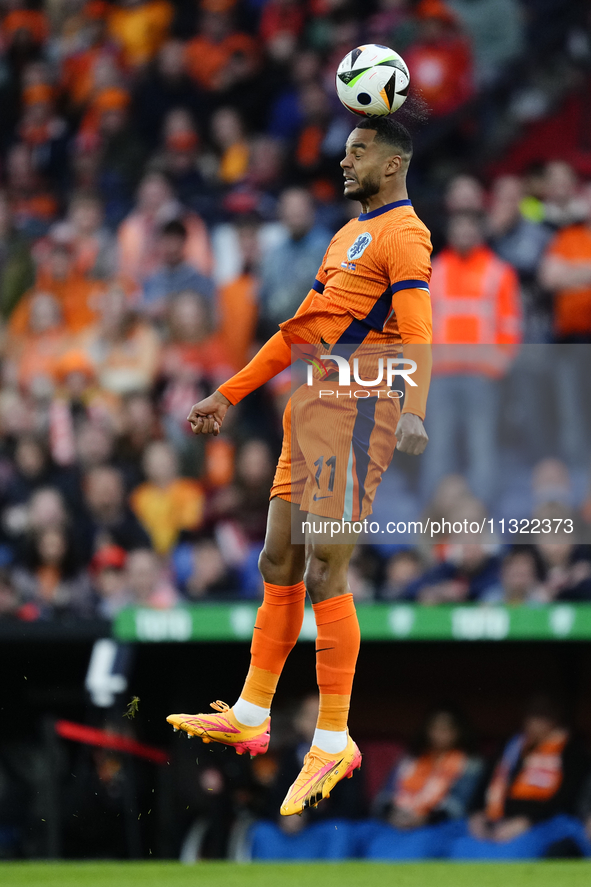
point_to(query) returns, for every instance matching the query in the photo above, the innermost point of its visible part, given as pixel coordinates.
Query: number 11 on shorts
(330, 463)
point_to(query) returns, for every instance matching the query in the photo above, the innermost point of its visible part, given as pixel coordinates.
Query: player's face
(362, 165)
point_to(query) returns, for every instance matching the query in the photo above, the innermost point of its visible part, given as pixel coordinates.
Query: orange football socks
(277, 628)
(337, 648)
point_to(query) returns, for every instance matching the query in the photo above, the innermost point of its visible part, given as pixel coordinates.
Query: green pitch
(347, 874)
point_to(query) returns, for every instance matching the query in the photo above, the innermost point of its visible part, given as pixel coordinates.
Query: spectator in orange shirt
(140, 28)
(81, 69)
(124, 349)
(440, 62)
(166, 504)
(79, 399)
(219, 58)
(227, 129)
(32, 355)
(237, 299)
(78, 298)
(137, 234)
(566, 272)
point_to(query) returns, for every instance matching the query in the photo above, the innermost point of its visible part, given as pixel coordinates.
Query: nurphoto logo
(394, 366)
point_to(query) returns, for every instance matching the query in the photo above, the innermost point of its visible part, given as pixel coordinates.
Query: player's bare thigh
(282, 561)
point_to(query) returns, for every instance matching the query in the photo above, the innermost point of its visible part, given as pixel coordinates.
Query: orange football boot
(223, 727)
(318, 777)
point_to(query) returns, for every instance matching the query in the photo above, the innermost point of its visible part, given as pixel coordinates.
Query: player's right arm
(206, 417)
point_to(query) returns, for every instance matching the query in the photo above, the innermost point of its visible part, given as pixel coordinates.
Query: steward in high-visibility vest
(476, 303)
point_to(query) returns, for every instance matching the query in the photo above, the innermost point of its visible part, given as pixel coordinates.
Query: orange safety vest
(476, 304)
(425, 781)
(538, 779)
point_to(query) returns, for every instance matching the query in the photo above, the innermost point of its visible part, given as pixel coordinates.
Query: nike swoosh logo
(318, 498)
(318, 777)
(221, 725)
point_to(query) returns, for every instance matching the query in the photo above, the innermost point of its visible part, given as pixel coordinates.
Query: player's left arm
(410, 272)
(413, 312)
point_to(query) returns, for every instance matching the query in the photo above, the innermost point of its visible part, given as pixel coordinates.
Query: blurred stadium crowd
(170, 181)
(445, 793)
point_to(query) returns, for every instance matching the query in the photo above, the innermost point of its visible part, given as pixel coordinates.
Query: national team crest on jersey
(357, 248)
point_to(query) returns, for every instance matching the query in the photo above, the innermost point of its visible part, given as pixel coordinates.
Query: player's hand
(206, 417)
(411, 435)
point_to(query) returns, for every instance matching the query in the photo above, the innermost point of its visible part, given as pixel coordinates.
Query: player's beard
(366, 188)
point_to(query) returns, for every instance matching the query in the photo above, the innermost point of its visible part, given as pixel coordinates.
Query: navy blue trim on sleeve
(409, 285)
(319, 287)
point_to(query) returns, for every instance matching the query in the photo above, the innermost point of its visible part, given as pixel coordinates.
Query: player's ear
(393, 164)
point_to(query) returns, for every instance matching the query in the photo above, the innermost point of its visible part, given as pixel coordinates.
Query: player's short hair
(389, 132)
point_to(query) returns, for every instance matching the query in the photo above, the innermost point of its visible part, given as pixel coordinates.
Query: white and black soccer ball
(372, 80)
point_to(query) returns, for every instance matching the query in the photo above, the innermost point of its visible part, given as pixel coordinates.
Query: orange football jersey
(373, 284)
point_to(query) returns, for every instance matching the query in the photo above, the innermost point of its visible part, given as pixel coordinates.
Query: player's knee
(267, 565)
(324, 579)
(274, 567)
(315, 577)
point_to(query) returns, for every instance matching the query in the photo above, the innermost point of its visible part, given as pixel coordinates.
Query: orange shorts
(335, 450)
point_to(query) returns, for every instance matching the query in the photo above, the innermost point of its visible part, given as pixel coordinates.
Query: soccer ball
(372, 80)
